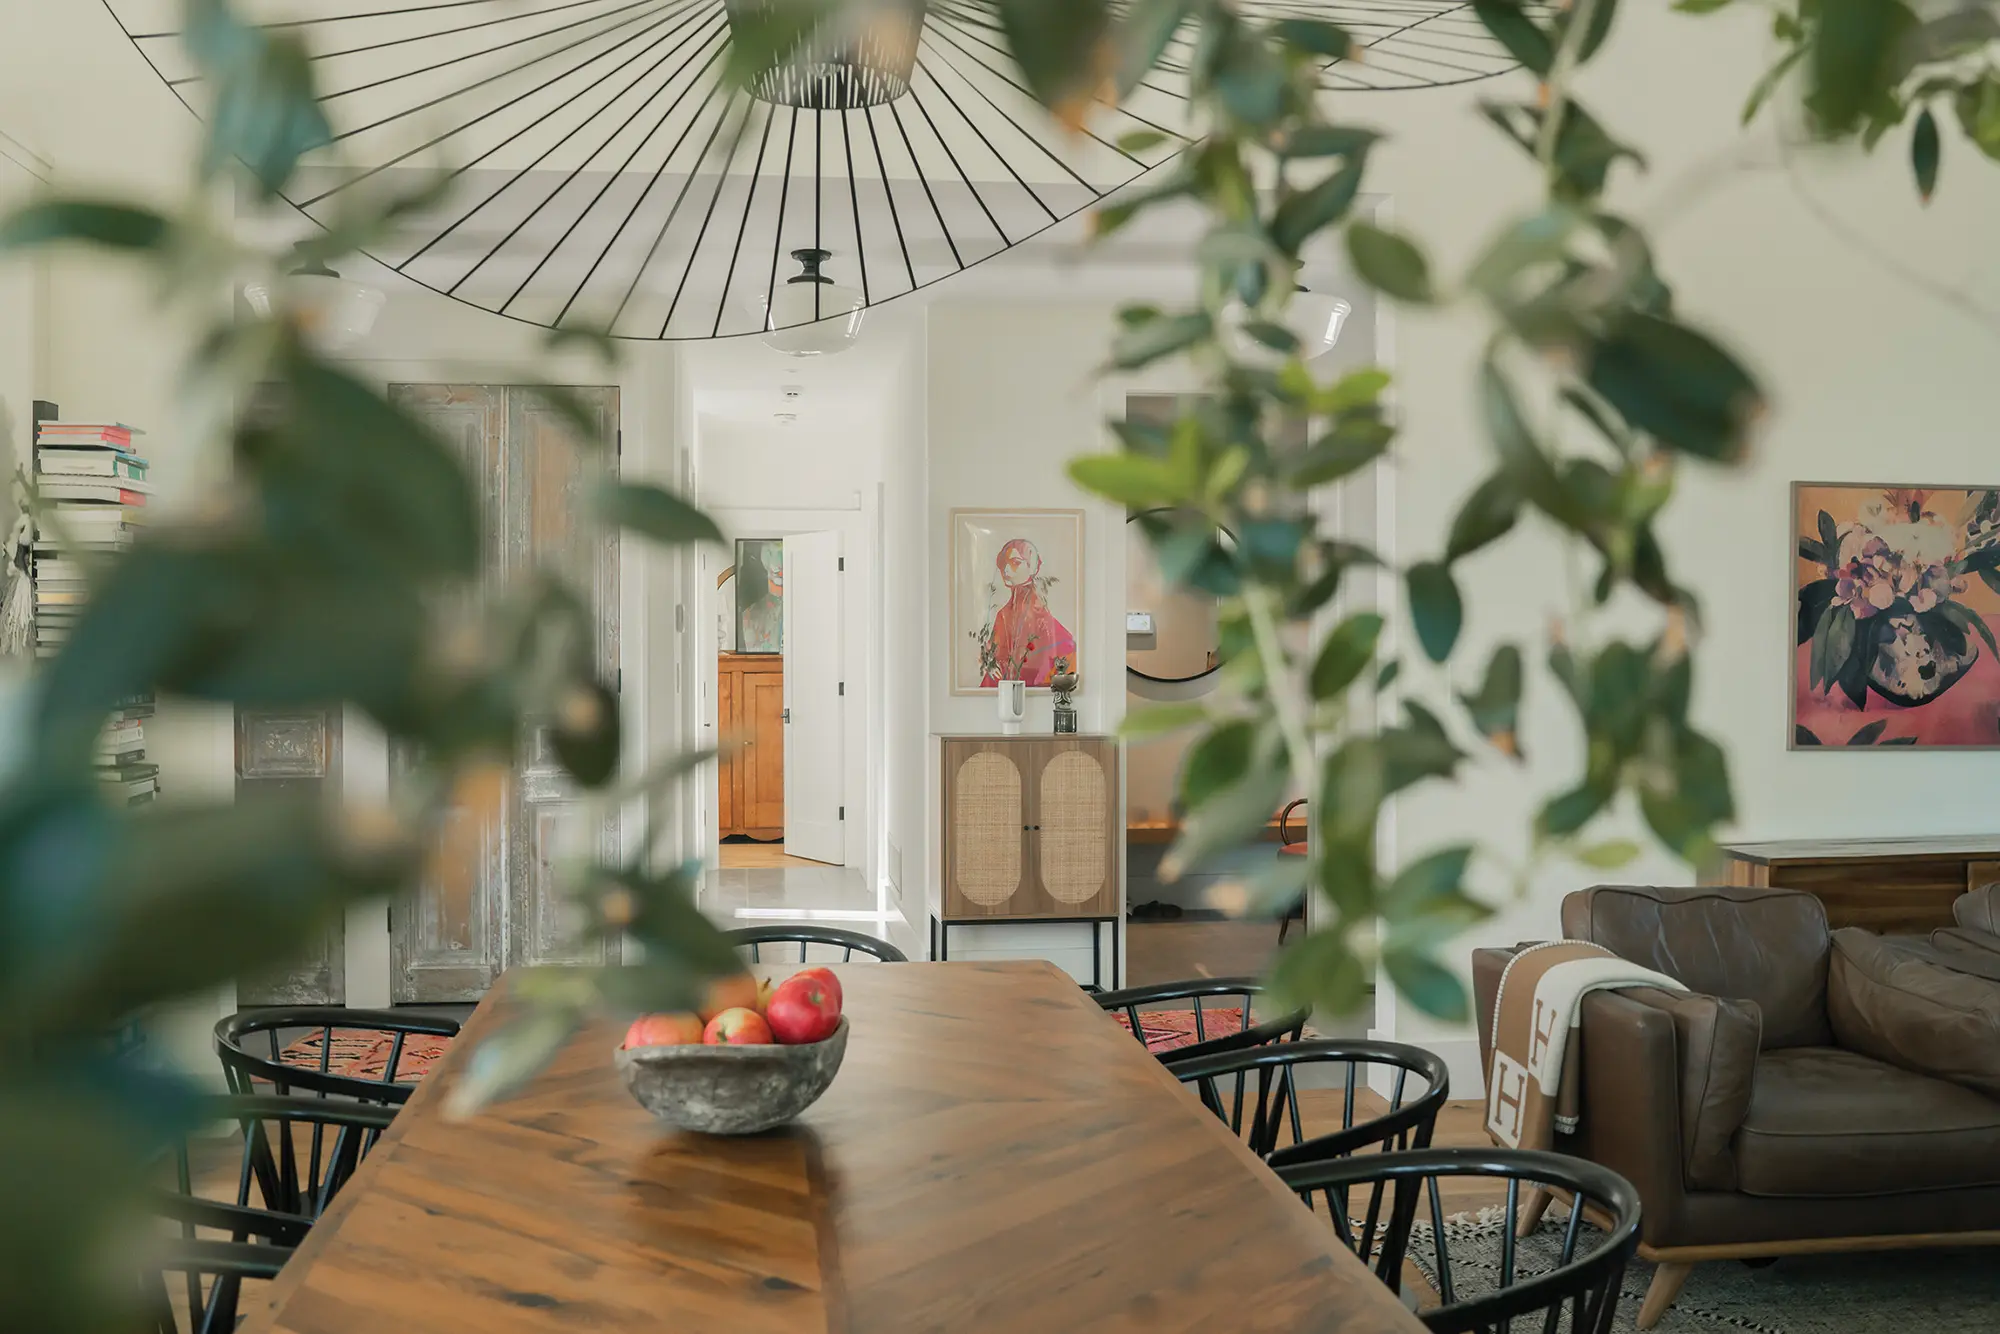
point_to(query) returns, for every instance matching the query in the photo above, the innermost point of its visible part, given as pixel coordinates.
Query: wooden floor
(757, 857)
(1169, 951)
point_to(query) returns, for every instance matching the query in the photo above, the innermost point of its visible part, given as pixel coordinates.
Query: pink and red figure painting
(1898, 594)
(1016, 597)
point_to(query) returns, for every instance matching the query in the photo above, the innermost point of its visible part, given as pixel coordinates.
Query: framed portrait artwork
(1016, 597)
(760, 595)
(1897, 597)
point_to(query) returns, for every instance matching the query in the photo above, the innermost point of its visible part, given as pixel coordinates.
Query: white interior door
(813, 699)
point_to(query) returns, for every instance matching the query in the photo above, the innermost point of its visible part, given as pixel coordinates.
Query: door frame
(860, 665)
(649, 582)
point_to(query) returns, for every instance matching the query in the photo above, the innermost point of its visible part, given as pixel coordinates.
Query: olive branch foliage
(336, 568)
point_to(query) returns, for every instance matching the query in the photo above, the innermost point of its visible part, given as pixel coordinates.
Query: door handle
(788, 715)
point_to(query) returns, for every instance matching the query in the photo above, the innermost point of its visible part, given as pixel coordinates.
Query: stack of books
(121, 754)
(94, 491)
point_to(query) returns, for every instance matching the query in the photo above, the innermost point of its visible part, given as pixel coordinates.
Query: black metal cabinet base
(941, 940)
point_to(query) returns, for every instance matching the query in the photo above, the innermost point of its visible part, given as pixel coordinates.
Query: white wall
(906, 650)
(1870, 380)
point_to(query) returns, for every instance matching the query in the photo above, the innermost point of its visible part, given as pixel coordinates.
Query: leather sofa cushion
(1761, 945)
(1826, 1122)
(1897, 1001)
(1978, 910)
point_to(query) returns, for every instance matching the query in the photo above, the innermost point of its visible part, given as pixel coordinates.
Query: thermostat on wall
(1138, 622)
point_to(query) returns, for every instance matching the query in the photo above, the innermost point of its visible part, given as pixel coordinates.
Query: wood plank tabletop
(996, 1154)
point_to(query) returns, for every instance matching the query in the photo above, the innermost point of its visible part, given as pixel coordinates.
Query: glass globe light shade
(810, 315)
(332, 312)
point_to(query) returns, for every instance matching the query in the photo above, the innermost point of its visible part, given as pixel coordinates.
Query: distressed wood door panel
(493, 899)
(764, 752)
(293, 752)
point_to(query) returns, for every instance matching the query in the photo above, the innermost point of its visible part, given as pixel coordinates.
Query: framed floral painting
(1016, 597)
(1898, 596)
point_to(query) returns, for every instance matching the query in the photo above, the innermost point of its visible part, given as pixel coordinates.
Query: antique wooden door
(499, 904)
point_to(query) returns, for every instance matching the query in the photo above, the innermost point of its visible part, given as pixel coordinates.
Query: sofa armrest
(1717, 1041)
(1631, 1116)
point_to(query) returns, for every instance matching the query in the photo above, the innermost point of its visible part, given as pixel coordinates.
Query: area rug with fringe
(363, 1053)
(1946, 1291)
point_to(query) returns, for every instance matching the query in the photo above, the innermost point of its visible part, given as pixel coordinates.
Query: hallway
(800, 894)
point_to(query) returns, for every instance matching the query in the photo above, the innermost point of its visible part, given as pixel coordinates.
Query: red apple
(737, 1027)
(664, 1030)
(804, 1009)
(832, 983)
(738, 991)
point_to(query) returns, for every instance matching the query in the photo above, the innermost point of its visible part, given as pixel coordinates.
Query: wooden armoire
(750, 719)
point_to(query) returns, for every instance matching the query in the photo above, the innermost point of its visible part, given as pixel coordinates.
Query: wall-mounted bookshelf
(93, 491)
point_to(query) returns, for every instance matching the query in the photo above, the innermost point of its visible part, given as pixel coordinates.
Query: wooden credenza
(1032, 828)
(750, 711)
(1894, 886)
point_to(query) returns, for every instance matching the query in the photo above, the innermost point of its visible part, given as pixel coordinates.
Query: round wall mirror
(1185, 642)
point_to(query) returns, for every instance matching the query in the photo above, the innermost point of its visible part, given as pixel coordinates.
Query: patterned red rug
(363, 1053)
(1167, 1030)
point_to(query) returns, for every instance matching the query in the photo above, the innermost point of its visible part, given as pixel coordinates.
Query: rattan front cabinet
(1032, 828)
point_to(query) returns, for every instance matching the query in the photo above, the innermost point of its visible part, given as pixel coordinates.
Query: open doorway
(779, 781)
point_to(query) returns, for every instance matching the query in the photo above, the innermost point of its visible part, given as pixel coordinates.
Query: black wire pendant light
(601, 173)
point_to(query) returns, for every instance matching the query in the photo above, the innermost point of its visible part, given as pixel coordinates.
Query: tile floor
(809, 894)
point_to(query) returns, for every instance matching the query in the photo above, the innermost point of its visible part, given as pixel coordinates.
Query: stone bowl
(725, 1090)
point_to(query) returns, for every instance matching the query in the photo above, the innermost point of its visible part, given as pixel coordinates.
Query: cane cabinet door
(986, 828)
(1074, 835)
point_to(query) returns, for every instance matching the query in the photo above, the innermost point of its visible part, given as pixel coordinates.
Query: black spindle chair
(276, 1027)
(1217, 1027)
(850, 943)
(1580, 1281)
(1268, 1080)
(258, 1239)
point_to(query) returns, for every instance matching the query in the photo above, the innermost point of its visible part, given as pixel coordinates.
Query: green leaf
(1274, 336)
(1347, 651)
(1356, 389)
(265, 112)
(1609, 855)
(1061, 48)
(1320, 972)
(1829, 537)
(1571, 811)
(1601, 17)
(1390, 263)
(1901, 741)
(1426, 983)
(1856, 60)
(1539, 239)
(1143, 344)
(1314, 35)
(1978, 108)
(116, 226)
(1356, 441)
(1839, 640)
(1522, 459)
(1142, 38)
(654, 513)
(1420, 749)
(1159, 719)
(1487, 515)
(1141, 141)
(1228, 818)
(1803, 736)
(1427, 882)
(1924, 154)
(505, 1060)
(1132, 480)
(1865, 736)
(1967, 619)
(1513, 29)
(1496, 708)
(1304, 214)
(1678, 385)
(1435, 607)
(1387, 676)
(1307, 141)
(1701, 6)
(1216, 761)
(584, 733)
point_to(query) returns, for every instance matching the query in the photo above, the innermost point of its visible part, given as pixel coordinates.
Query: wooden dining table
(996, 1154)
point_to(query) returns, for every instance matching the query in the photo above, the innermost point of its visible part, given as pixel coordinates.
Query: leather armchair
(1748, 1130)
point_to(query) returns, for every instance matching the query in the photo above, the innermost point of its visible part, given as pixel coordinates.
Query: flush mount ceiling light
(332, 313)
(601, 174)
(1314, 318)
(809, 315)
